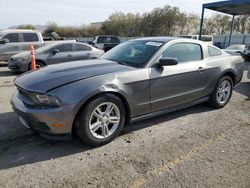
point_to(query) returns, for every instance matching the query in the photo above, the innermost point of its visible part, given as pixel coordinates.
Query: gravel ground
(194, 147)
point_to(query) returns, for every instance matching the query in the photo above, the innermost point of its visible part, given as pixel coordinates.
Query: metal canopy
(232, 7)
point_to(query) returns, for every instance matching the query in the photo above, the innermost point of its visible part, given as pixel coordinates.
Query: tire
(94, 118)
(222, 92)
(39, 64)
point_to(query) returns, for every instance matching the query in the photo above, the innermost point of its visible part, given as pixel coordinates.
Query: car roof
(167, 39)
(155, 39)
(107, 36)
(18, 31)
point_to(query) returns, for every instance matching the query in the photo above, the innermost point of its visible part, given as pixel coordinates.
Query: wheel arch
(231, 73)
(37, 60)
(117, 94)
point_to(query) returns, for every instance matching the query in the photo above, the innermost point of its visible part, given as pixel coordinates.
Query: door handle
(201, 69)
(88, 54)
(69, 55)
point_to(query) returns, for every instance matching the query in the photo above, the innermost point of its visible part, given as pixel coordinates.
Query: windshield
(186, 36)
(105, 39)
(133, 53)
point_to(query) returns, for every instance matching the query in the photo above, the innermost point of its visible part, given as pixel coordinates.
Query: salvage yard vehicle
(56, 52)
(16, 41)
(13, 41)
(137, 79)
(246, 52)
(205, 38)
(105, 42)
(235, 49)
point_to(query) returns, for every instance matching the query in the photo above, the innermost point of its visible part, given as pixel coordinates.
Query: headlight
(47, 100)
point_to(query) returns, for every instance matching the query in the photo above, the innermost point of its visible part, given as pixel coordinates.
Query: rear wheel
(101, 120)
(222, 92)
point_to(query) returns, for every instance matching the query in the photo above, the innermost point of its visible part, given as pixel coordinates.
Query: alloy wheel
(224, 92)
(104, 120)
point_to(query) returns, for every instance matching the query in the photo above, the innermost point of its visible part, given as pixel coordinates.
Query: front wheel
(101, 120)
(222, 92)
(39, 65)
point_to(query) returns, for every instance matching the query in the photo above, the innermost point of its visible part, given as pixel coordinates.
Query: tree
(26, 26)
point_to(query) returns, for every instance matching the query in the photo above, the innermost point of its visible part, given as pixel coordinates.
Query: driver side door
(178, 84)
(11, 47)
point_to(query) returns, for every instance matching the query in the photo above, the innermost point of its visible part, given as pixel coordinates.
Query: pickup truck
(105, 42)
(15, 41)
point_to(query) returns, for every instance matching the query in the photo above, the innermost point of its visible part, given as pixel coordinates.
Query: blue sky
(78, 12)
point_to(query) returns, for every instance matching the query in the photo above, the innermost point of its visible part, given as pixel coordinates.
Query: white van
(205, 38)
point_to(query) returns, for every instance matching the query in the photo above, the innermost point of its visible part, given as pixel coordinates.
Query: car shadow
(31, 147)
(200, 108)
(8, 73)
(244, 89)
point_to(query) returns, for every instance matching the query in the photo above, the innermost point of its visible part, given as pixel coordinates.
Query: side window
(213, 51)
(12, 37)
(184, 52)
(64, 47)
(82, 47)
(102, 40)
(30, 37)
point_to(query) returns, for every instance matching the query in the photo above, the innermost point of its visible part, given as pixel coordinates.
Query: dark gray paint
(148, 91)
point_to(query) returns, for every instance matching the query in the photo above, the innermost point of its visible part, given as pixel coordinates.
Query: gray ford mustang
(135, 80)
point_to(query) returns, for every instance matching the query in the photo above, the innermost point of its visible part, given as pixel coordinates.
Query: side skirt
(168, 110)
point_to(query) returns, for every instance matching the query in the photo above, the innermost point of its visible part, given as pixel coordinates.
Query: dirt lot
(194, 147)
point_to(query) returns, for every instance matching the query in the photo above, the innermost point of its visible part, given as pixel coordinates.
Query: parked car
(57, 52)
(105, 42)
(246, 52)
(18, 40)
(235, 49)
(135, 80)
(205, 38)
(248, 73)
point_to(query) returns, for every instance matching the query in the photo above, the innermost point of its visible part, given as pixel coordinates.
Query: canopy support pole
(231, 30)
(202, 20)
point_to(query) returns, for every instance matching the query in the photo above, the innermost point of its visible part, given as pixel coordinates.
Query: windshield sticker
(154, 43)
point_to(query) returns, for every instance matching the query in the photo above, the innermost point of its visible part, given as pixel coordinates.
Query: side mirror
(167, 62)
(55, 51)
(4, 41)
(90, 42)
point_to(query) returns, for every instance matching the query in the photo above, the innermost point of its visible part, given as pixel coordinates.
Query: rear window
(213, 51)
(12, 37)
(206, 39)
(64, 47)
(108, 40)
(30, 37)
(82, 47)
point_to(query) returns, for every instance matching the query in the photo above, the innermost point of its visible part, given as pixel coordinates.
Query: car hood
(54, 76)
(21, 55)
